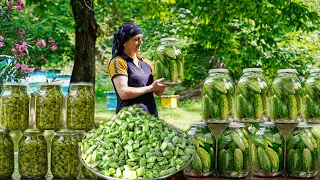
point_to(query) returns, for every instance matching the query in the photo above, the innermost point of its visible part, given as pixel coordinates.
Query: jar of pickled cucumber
(311, 100)
(14, 107)
(80, 107)
(204, 140)
(286, 97)
(49, 107)
(168, 61)
(302, 152)
(6, 154)
(33, 154)
(217, 97)
(65, 162)
(233, 151)
(268, 150)
(252, 96)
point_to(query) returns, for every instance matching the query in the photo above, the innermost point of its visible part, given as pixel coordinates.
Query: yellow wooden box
(169, 101)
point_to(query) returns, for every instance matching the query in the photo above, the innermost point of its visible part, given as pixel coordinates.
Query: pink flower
(13, 50)
(30, 70)
(37, 69)
(18, 8)
(17, 65)
(24, 68)
(41, 43)
(1, 38)
(43, 59)
(21, 31)
(54, 46)
(19, 2)
(23, 6)
(50, 38)
(10, 3)
(28, 57)
(2, 44)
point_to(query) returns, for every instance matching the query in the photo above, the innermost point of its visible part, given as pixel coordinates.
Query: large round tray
(113, 178)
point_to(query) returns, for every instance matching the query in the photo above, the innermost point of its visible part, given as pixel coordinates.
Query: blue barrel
(34, 79)
(52, 73)
(111, 100)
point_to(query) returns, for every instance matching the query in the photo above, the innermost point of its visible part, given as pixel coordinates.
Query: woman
(131, 74)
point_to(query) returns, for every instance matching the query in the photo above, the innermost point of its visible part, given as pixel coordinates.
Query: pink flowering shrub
(27, 53)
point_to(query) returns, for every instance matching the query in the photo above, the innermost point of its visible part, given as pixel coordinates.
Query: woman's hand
(157, 87)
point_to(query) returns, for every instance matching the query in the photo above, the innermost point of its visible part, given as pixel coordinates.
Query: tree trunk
(86, 34)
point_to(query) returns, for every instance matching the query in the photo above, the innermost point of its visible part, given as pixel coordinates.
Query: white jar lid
(197, 124)
(287, 71)
(81, 84)
(267, 124)
(236, 124)
(304, 124)
(218, 70)
(252, 70)
(314, 70)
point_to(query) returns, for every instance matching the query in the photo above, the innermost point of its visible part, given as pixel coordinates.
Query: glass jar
(33, 154)
(302, 152)
(252, 96)
(217, 96)
(233, 151)
(168, 61)
(6, 155)
(14, 107)
(268, 150)
(286, 97)
(65, 163)
(311, 100)
(80, 107)
(204, 140)
(49, 107)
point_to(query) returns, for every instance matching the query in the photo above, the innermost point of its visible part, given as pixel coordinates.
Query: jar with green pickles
(233, 151)
(6, 154)
(80, 107)
(33, 154)
(311, 100)
(14, 107)
(302, 147)
(286, 97)
(217, 97)
(168, 61)
(65, 163)
(203, 163)
(268, 151)
(49, 101)
(252, 96)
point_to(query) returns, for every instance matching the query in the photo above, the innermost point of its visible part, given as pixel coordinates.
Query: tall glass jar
(33, 154)
(311, 100)
(217, 96)
(65, 162)
(169, 61)
(302, 152)
(80, 107)
(14, 107)
(49, 107)
(286, 97)
(203, 163)
(233, 151)
(87, 174)
(252, 96)
(268, 150)
(6, 155)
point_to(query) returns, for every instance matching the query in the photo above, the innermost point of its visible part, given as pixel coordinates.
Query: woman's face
(133, 45)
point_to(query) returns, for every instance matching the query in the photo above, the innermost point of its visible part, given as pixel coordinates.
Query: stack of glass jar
(33, 151)
(253, 100)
